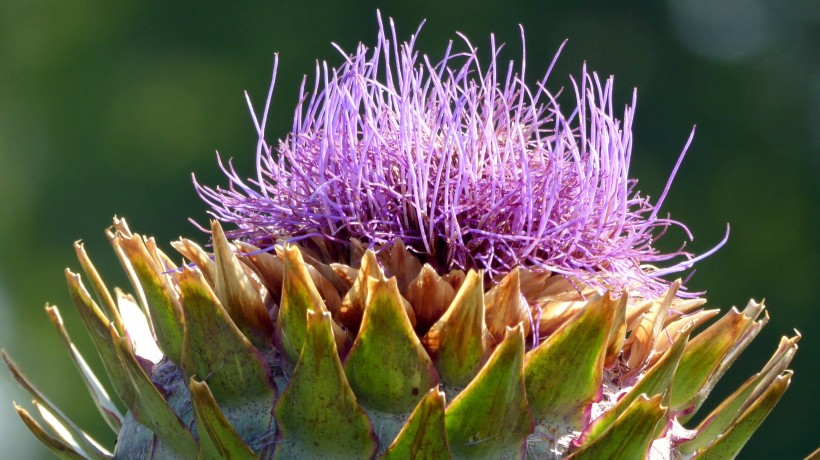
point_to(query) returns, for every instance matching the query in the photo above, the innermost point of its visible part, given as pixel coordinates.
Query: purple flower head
(464, 162)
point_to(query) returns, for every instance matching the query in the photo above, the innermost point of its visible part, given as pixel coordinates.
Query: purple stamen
(464, 163)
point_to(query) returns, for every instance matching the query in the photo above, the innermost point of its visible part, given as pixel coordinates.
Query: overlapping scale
(282, 352)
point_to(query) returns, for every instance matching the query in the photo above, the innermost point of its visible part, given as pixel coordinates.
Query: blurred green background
(107, 107)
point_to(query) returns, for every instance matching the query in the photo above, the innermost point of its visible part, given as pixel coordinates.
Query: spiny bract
(441, 268)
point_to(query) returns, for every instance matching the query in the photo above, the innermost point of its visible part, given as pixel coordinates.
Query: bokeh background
(107, 107)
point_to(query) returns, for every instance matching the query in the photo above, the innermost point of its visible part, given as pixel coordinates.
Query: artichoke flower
(438, 261)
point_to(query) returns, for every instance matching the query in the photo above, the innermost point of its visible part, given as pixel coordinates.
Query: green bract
(296, 354)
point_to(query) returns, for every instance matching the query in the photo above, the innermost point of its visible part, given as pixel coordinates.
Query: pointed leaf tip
(617, 335)
(215, 349)
(576, 352)
(299, 295)
(58, 447)
(150, 408)
(505, 306)
(109, 411)
(401, 264)
(317, 414)
(656, 381)
(459, 341)
(161, 299)
(67, 431)
(217, 437)
(103, 294)
(723, 417)
(353, 303)
(236, 293)
(429, 295)
(270, 267)
(732, 441)
(423, 435)
(642, 340)
(629, 436)
(700, 365)
(498, 394)
(387, 366)
(194, 252)
(97, 326)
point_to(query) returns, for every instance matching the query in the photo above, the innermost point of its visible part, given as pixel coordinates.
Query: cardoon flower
(438, 261)
(464, 163)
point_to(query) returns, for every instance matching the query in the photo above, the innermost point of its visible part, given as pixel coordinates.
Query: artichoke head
(305, 351)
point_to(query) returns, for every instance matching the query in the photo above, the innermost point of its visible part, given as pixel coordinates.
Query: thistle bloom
(351, 317)
(464, 163)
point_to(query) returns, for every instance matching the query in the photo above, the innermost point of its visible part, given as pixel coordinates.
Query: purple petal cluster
(464, 162)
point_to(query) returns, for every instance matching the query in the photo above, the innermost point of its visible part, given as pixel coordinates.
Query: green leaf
(97, 326)
(217, 437)
(150, 408)
(194, 252)
(747, 335)
(564, 373)
(214, 349)
(317, 415)
(162, 303)
(387, 367)
(642, 339)
(109, 411)
(299, 295)
(671, 332)
(703, 354)
(423, 435)
(724, 416)
(459, 341)
(656, 381)
(57, 446)
(87, 446)
(236, 294)
(103, 294)
(730, 444)
(490, 418)
(629, 436)
(67, 431)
